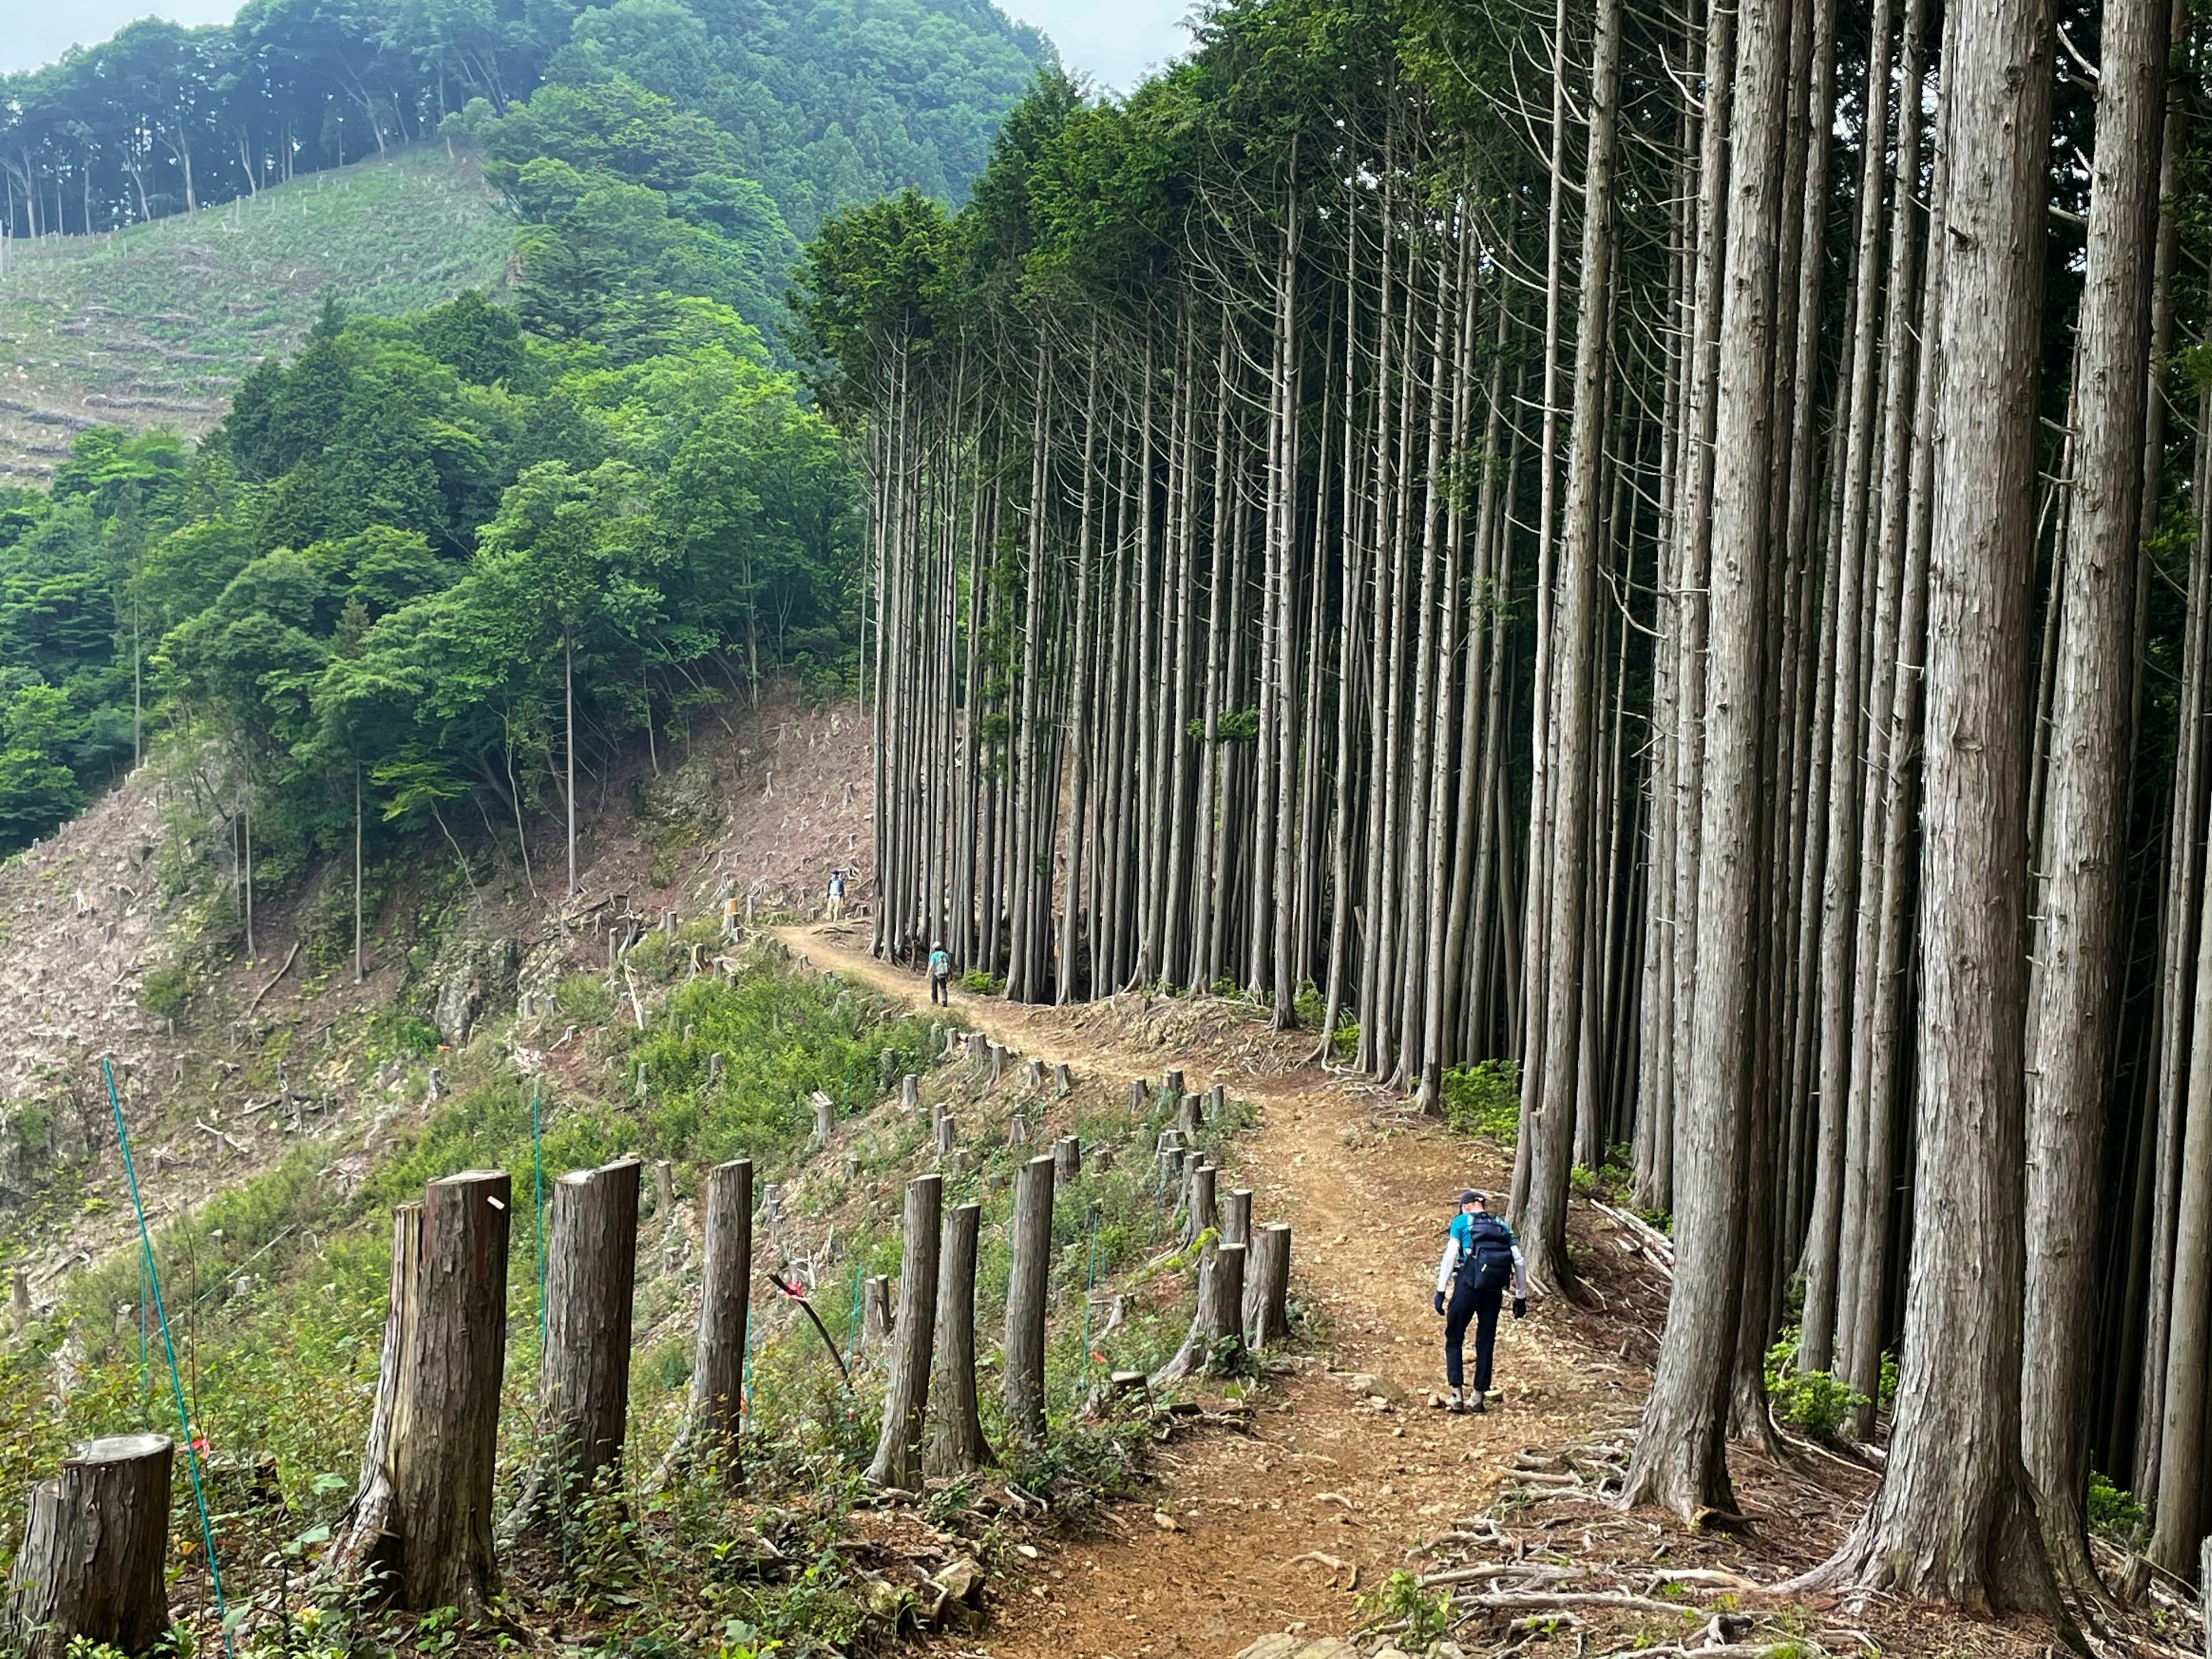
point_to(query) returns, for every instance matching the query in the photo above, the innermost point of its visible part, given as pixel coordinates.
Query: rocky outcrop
(473, 975)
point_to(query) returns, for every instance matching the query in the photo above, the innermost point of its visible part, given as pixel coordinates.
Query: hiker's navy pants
(1481, 1306)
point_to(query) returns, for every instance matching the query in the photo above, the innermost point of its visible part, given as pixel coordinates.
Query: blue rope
(169, 1348)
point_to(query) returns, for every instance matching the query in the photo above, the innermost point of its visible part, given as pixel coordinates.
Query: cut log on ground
(94, 1549)
(421, 1522)
(906, 1399)
(956, 1445)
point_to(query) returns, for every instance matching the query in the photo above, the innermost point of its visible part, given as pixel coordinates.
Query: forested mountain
(153, 324)
(819, 101)
(1666, 549)
(356, 588)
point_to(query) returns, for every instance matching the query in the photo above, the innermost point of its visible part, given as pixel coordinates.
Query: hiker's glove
(1440, 1304)
(1519, 1307)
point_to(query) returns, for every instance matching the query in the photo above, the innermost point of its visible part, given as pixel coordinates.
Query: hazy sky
(1113, 41)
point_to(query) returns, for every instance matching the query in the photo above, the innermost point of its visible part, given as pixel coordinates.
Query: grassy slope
(153, 324)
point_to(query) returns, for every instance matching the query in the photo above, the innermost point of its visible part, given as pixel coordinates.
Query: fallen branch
(280, 972)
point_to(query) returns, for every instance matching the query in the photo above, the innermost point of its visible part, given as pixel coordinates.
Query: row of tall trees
(822, 102)
(1668, 546)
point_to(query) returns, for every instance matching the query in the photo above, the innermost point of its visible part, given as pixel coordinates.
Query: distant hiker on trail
(941, 975)
(836, 896)
(1480, 1259)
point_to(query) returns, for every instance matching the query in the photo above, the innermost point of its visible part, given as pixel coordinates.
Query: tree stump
(956, 1445)
(1267, 1289)
(1190, 1120)
(1063, 1081)
(714, 1066)
(979, 1054)
(1000, 1055)
(909, 1093)
(1018, 1130)
(1066, 1160)
(1137, 1096)
(664, 1190)
(1218, 1318)
(94, 1549)
(1199, 1205)
(875, 1312)
(715, 1416)
(906, 1395)
(590, 1276)
(1170, 1087)
(1033, 1077)
(947, 1135)
(1237, 1216)
(1217, 1103)
(1171, 1162)
(422, 1517)
(1028, 1281)
(851, 1168)
(825, 1122)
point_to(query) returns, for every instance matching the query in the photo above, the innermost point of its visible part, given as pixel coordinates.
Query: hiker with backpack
(1480, 1260)
(941, 975)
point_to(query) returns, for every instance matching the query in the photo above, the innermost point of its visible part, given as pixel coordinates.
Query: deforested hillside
(152, 325)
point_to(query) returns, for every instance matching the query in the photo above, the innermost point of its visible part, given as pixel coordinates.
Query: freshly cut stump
(92, 1550)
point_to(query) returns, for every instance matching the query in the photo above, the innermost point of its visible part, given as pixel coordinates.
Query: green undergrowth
(275, 1295)
(1484, 1099)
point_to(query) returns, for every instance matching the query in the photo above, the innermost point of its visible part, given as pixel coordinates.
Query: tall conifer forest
(1661, 552)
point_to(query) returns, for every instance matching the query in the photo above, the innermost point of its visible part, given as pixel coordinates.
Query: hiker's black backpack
(1485, 1258)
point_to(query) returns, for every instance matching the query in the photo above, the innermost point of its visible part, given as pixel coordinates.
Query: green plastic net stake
(169, 1349)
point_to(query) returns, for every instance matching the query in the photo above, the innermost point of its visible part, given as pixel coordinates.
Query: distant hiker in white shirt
(1480, 1259)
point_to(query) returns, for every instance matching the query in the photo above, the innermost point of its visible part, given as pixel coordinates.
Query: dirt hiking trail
(1282, 1528)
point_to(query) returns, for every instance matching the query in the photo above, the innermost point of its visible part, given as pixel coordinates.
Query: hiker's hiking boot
(1455, 1405)
(1477, 1405)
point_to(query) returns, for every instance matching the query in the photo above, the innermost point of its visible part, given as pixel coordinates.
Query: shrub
(167, 990)
(1427, 1616)
(584, 999)
(983, 984)
(1812, 1401)
(1484, 1099)
(2114, 1513)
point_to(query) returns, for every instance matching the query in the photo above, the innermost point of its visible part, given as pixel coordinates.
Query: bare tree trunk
(2070, 1029)
(1551, 1128)
(1680, 1458)
(1953, 1518)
